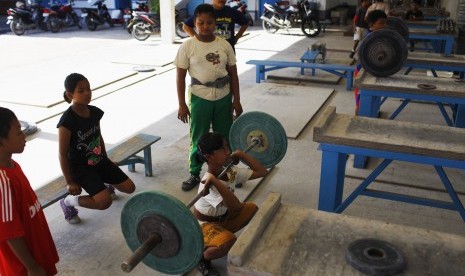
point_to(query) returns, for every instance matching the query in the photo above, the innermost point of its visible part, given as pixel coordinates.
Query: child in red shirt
(26, 245)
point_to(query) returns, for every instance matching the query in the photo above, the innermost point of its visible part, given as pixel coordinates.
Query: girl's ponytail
(67, 99)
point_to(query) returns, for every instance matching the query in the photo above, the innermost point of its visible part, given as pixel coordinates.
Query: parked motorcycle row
(304, 14)
(142, 24)
(23, 18)
(139, 22)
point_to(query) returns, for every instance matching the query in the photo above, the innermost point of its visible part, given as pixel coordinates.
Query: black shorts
(93, 178)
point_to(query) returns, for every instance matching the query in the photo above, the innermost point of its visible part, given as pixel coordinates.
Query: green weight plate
(149, 206)
(268, 129)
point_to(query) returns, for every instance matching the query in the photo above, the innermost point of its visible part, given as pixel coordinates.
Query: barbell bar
(162, 232)
(255, 142)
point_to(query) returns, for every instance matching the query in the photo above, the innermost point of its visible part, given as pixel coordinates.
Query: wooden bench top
(131, 146)
(285, 239)
(56, 189)
(434, 58)
(388, 135)
(406, 83)
(325, 66)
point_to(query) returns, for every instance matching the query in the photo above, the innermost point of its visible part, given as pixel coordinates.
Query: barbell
(162, 232)
(384, 52)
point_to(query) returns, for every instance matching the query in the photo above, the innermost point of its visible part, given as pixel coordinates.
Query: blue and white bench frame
(373, 95)
(433, 62)
(343, 71)
(441, 42)
(335, 154)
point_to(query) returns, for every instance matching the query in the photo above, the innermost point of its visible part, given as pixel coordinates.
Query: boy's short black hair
(204, 8)
(6, 118)
(208, 143)
(374, 16)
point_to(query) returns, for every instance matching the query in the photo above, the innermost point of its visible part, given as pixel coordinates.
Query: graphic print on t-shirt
(93, 151)
(214, 58)
(221, 29)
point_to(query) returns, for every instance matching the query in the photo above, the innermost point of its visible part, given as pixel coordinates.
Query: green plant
(154, 6)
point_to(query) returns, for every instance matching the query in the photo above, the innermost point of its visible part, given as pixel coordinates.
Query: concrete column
(167, 21)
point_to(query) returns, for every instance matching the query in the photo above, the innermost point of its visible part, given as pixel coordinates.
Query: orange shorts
(218, 233)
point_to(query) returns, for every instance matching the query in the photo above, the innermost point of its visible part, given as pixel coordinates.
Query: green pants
(205, 113)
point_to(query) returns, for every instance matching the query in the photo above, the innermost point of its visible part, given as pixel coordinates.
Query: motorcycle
(148, 24)
(66, 14)
(280, 16)
(179, 24)
(53, 21)
(241, 6)
(23, 18)
(129, 14)
(132, 17)
(95, 17)
(144, 25)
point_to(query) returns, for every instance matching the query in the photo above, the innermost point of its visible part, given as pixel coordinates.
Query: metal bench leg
(448, 46)
(450, 189)
(262, 72)
(460, 116)
(369, 107)
(257, 73)
(333, 166)
(349, 80)
(132, 167)
(148, 161)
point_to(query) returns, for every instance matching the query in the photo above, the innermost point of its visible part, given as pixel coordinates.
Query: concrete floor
(146, 102)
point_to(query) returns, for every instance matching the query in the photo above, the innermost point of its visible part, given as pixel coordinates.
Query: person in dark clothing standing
(414, 14)
(226, 19)
(360, 25)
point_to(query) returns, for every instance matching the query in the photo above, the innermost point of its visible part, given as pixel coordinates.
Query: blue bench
(440, 42)
(122, 154)
(340, 135)
(310, 57)
(434, 61)
(375, 91)
(263, 66)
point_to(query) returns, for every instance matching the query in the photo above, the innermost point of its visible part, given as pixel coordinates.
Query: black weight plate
(398, 24)
(170, 239)
(145, 208)
(268, 129)
(375, 257)
(383, 53)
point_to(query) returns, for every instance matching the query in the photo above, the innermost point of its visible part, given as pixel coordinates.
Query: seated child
(219, 211)
(83, 157)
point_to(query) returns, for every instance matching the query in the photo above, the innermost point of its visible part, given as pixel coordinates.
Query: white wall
(451, 6)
